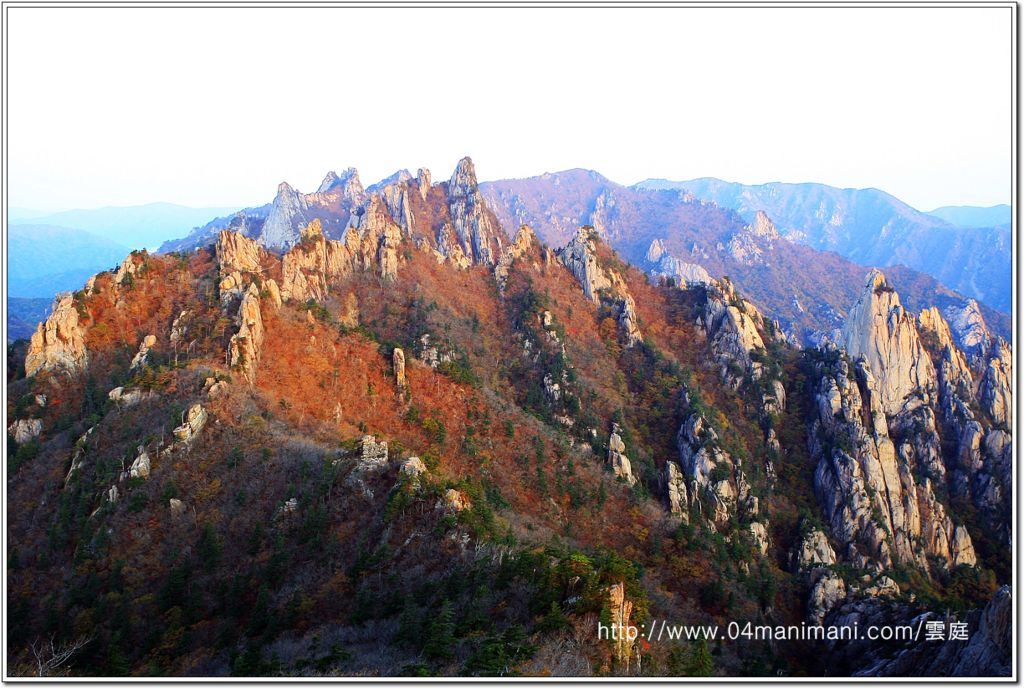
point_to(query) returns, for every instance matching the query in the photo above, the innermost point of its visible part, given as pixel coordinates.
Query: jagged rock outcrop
(877, 511)
(389, 256)
(413, 466)
(621, 609)
(350, 316)
(968, 326)
(238, 253)
(453, 501)
(423, 180)
(675, 488)
(616, 457)
(140, 467)
(814, 550)
(579, 256)
(177, 508)
(278, 229)
(397, 201)
(523, 242)
(140, 358)
(662, 264)
(398, 361)
(315, 260)
(58, 343)
(245, 346)
(827, 589)
(179, 328)
(274, 291)
(735, 327)
(759, 534)
(346, 185)
(24, 430)
(995, 391)
(194, 422)
(373, 455)
(127, 271)
(473, 225)
(130, 398)
(984, 649)
(878, 329)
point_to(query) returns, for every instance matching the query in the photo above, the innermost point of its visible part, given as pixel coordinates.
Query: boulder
(196, 419)
(140, 358)
(140, 467)
(24, 430)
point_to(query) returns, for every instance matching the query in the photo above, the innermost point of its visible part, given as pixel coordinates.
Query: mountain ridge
(873, 227)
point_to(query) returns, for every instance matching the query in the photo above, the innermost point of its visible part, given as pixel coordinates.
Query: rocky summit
(458, 429)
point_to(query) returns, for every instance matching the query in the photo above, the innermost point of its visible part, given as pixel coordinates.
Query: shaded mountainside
(806, 289)
(876, 229)
(43, 259)
(413, 446)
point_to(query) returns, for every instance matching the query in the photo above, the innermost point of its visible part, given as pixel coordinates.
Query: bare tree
(51, 656)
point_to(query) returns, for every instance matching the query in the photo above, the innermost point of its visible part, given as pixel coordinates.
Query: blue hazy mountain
(135, 227)
(974, 216)
(872, 227)
(43, 259)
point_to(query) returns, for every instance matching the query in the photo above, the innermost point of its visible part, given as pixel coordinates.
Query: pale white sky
(210, 106)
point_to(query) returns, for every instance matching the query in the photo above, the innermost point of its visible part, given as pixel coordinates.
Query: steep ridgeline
(237, 459)
(885, 421)
(671, 233)
(450, 218)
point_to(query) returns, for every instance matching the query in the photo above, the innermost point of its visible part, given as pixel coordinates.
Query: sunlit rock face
(477, 233)
(58, 344)
(878, 329)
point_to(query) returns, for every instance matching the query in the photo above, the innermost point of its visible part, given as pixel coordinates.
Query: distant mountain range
(807, 289)
(43, 259)
(975, 216)
(872, 227)
(136, 227)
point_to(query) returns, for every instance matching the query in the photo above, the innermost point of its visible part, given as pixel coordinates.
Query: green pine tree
(440, 636)
(701, 664)
(117, 664)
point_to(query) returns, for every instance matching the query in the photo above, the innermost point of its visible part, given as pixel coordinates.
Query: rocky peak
(279, 228)
(423, 179)
(59, 342)
(763, 227)
(400, 177)
(878, 329)
(472, 223)
(656, 251)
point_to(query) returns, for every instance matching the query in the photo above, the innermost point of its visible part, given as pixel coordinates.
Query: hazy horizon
(913, 101)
